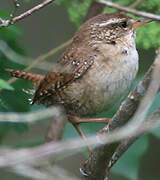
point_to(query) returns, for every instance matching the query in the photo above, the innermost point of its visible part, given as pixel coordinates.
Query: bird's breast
(114, 76)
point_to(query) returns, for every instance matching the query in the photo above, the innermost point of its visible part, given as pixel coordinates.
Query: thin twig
(136, 3)
(48, 54)
(31, 172)
(42, 174)
(5, 23)
(19, 59)
(129, 10)
(31, 117)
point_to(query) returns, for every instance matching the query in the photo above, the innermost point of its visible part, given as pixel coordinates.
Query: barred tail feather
(34, 78)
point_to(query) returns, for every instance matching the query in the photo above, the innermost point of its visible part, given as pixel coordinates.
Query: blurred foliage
(76, 9)
(10, 35)
(12, 98)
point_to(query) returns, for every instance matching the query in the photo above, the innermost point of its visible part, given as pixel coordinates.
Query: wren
(94, 72)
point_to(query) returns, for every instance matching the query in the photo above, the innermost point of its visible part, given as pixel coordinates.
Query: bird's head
(109, 28)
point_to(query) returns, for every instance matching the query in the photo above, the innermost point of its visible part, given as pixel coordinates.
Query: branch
(5, 23)
(27, 61)
(31, 117)
(129, 10)
(43, 173)
(56, 128)
(31, 172)
(47, 55)
(125, 144)
(54, 113)
(94, 167)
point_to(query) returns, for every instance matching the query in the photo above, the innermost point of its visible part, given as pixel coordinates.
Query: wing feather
(70, 67)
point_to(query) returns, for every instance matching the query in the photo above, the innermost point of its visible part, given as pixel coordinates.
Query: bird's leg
(76, 121)
(83, 137)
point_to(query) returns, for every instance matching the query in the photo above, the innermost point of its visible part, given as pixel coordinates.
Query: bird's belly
(107, 95)
(94, 100)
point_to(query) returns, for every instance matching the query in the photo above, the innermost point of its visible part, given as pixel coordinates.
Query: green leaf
(5, 85)
(129, 163)
(2, 104)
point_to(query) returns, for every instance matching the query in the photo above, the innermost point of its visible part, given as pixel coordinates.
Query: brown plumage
(56, 84)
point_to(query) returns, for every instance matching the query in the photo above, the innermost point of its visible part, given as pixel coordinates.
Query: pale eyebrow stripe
(111, 21)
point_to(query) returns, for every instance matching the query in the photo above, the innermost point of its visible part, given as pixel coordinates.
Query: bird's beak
(140, 22)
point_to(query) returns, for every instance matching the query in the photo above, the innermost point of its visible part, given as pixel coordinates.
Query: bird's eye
(123, 24)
